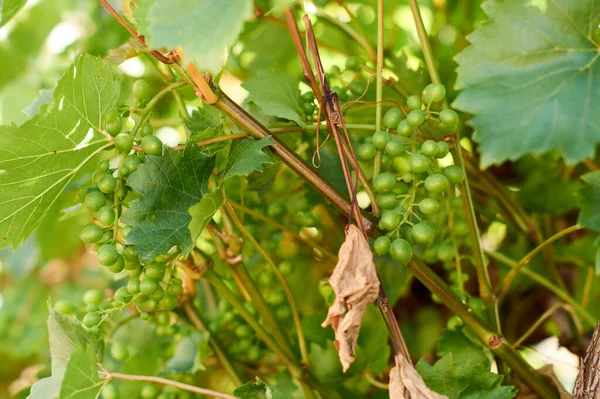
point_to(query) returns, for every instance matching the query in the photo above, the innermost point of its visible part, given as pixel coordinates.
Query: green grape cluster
(413, 191)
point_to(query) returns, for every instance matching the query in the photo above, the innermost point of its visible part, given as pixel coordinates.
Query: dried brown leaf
(406, 382)
(356, 285)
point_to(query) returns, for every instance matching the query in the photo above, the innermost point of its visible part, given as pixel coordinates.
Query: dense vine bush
(193, 198)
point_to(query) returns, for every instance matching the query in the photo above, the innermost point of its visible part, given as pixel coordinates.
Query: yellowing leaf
(406, 383)
(355, 284)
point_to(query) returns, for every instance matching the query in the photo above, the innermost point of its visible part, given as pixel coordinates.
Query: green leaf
(326, 363)
(246, 156)
(205, 118)
(463, 348)
(203, 212)
(42, 156)
(142, 9)
(531, 79)
(259, 390)
(590, 203)
(169, 185)
(8, 9)
(81, 380)
(204, 29)
(276, 94)
(188, 355)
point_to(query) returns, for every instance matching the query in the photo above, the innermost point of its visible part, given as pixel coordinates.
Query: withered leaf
(355, 284)
(406, 383)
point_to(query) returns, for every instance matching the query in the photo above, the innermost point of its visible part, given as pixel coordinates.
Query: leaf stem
(164, 381)
(379, 83)
(537, 323)
(527, 258)
(145, 114)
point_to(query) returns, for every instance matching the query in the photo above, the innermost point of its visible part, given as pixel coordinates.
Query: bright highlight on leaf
(531, 78)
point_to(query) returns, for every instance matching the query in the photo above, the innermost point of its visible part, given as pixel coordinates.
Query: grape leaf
(42, 156)
(246, 156)
(276, 94)
(188, 355)
(142, 9)
(81, 380)
(203, 29)
(530, 77)
(203, 212)
(169, 185)
(259, 390)
(8, 9)
(590, 203)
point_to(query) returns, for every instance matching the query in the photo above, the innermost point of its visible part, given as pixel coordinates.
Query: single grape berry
(442, 149)
(461, 228)
(308, 108)
(109, 392)
(392, 118)
(119, 351)
(429, 148)
(422, 233)
(286, 268)
(401, 164)
(118, 266)
(115, 127)
(357, 88)
(390, 220)
(276, 298)
(146, 130)
(64, 306)
(106, 215)
(414, 102)
(107, 184)
(133, 286)
(445, 252)
(168, 302)
(394, 148)
(401, 251)
(93, 296)
(366, 151)
(381, 246)
(107, 254)
(449, 117)
(103, 166)
(384, 182)
(91, 319)
(353, 63)
(175, 289)
(152, 145)
(132, 162)
(341, 93)
(387, 201)
(418, 163)
(149, 391)
(111, 116)
(308, 97)
(380, 139)
(429, 206)
(243, 331)
(436, 183)
(454, 174)
(140, 89)
(91, 234)
(123, 142)
(94, 201)
(148, 286)
(415, 118)
(433, 93)
(404, 128)
(155, 271)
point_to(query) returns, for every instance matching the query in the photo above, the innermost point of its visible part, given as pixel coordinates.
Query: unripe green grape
(132, 162)
(418, 163)
(401, 188)
(243, 331)
(445, 252)
(386, 162)
(366, 151)
(148, 286)
(155, 271)
(442, 127)
(286, 268)
(341, 93)
(429, 148)
(123, 170)
(454, 174)
(335, 70)
(404, 128)
(119, 351)
(387, 200)
(152, 145)
(130, 254)
(94, 201)
(169, 302)
(115, 127)
(429, 206)
(107, 184)
(390, 220)
(308, 108)
(276, 209)
(380, 139)
(423, 233)
(276, 298)
(91, 234)
(414, 102)
(392, 118)
(64, 307)
(91, 319)
(158, 294)
(118, 266)
(175, 289)
(357, 88)
(394, 148)
(449, 117)
(407, 177)
(163, 318)
(107, 254)
(111, 116)
(121, 191)
(133, 286)
(401, 251)
(283, 313)
(107, 236)
(254, 353)
(109, 391)
(384, 182)
(149, 391)
(140, 89)
(308, 97)
(103, 166)
(415, 118)
(123, 142)
(106, 215)
(122, 295)
(460, 228)
(401, 164)
(381, 246)
(436, 183)
(353, 63)
(93, 296)
(433, 93)
(442, 149)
